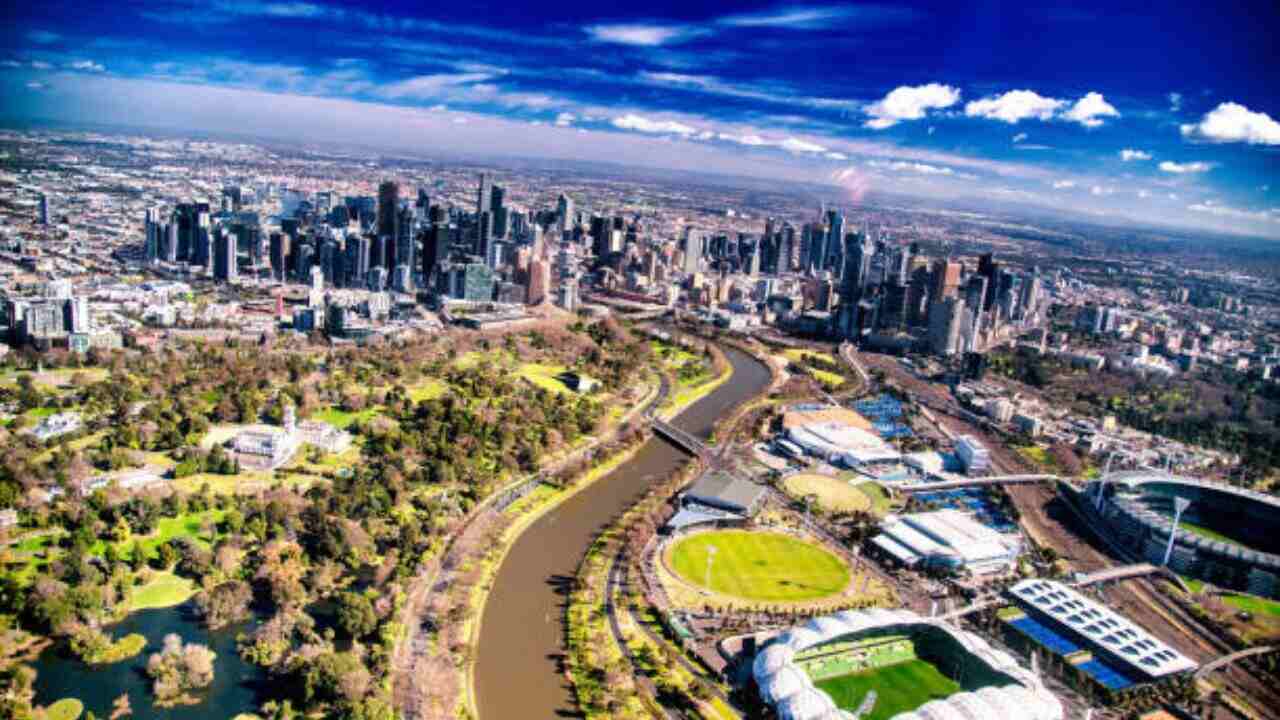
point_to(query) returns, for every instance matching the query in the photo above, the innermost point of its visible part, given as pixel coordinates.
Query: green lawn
(544, 376)
(342, 419)
(1210, 533)
(164, 590)
(760, 565)
(65, 709)
(427, 390)
(1253, 604)
(833, 494)
(900, 688)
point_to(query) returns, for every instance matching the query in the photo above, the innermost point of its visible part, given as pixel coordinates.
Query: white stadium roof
(794, 696)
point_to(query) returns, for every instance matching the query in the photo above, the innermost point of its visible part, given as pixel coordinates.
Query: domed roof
(800, 638)
(782, 684)
(808, 704)
(770, 659)
(828, 627)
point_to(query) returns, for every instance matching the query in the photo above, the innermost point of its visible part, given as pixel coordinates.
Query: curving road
(518, 673)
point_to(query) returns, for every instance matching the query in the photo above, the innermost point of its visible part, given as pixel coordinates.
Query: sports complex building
(1226, 535)
(947, 538)
(717, 497)
(894, 664)
(836, 435)
(1100, 643)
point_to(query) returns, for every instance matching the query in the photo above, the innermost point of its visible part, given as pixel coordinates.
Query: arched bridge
(1238, 655)
(1130, 571)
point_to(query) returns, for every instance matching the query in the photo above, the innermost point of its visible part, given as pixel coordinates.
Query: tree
(356, 615)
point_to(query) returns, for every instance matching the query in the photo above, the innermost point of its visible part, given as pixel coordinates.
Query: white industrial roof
(965, 536)
(1103, 627)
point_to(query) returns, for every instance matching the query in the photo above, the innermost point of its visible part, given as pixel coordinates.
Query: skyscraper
(564, 212)
(946, 319)
(279, 255)
(389, 209)
(835, 235)
(498, 210)
(44, 209)
(539, 288)
(857, 261)
(484, 196)
(225, 265)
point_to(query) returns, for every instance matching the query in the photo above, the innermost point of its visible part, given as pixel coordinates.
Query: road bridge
(1233, 657)
(1125, 572)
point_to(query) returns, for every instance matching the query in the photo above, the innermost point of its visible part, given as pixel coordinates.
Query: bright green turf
(65, 709)
(1253, 604)
(164, 590)
(760, 566)
(342, 419)
(900, 688)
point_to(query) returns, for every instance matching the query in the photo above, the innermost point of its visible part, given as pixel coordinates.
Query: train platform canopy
(1103, 630)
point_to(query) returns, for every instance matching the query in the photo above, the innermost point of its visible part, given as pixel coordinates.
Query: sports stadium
(1225, 536)
(895, 665)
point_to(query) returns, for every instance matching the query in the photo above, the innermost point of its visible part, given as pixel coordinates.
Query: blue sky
(1127, 110)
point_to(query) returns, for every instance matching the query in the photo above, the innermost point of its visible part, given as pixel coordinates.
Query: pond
(237, 685)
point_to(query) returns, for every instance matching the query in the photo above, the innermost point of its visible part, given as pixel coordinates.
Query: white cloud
(1233, 122)
(909, 103)
(1100, 190)
(817, 18)
(643, 35)
(748, 140)
(1144, 194)
(796, 145)
(1089, 110)
(1014, 106)
(1184, 168)
(40, 65)
(913, 167)
(639, 123)
(429, 86)
(837, 156)
(1019, 138)
(1129, 155)
(1063, 184)
(1175, 101)
(33, 85)
(1212, 208)
(704, 135)
(10, 63)
(87, 66)
(932, 129)
(565, 119)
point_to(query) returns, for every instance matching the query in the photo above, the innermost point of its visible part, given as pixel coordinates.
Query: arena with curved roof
(1225, 537)
(898, 665)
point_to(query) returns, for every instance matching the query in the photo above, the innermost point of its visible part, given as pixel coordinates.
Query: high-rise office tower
(989, 269)
(423, 205)
(918, 294)
(280, 253)
(539, 288)
(499, 211)
(857, 262)
(564, 212)
(945, 282)
(946, 319)
(694, 245)
(44, 209)
(484, 196)
(225, 264)
(835, 237)
(388, 209)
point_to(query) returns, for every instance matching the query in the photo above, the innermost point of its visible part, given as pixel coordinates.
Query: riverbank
(520, 663)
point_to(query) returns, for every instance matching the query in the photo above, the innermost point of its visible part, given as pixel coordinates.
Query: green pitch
(760, 566)
(899, 688)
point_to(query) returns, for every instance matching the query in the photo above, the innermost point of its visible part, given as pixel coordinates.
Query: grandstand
(844, 657)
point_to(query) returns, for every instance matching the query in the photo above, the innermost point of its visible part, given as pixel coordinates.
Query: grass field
(759, 566)
(544, 376)
(65, 709)
(833, 494)
(342, 419)
(900, 688)
(164, 590)
(826, 377)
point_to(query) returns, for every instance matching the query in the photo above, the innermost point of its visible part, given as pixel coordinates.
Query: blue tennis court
(1109, 677)
(1045, 636)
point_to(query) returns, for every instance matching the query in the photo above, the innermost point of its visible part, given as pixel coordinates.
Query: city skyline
(1122, 114)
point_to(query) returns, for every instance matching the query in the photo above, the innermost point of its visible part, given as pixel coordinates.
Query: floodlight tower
(1102, 482)
(711, 556)
(1180, 504)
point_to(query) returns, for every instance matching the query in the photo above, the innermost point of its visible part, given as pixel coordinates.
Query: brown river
(517, 674)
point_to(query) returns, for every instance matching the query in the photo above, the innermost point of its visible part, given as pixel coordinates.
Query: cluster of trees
(178, 669)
